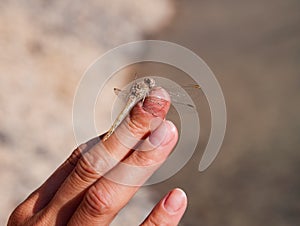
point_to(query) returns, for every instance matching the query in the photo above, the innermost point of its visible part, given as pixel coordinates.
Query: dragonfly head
(150, 82)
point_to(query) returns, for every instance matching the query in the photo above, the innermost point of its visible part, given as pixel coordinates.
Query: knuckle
(99, 202)
(138, 128)
(138, 121)
(142, 158)
(82, 147)
(13, 220)
(94, 164)
(75, 156)
(157, 217)
(152, 221)
(85, 171)
(80, 150)
(18, 216)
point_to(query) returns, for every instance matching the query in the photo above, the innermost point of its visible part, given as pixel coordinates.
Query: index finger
(103, 156)
(111, 193)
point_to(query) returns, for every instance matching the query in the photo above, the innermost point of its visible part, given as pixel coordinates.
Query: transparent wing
(177, 96)
(122, 94)
(192, 86)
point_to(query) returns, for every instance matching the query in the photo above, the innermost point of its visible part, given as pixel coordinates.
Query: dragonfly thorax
(141, 89)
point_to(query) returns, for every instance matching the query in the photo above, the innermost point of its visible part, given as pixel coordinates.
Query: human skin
(84, 189)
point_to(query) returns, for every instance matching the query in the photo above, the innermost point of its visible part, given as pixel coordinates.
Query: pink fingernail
(160, 93)
(158, 135)
(174, 201)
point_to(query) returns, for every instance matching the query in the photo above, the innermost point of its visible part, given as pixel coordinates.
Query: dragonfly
(139, 90)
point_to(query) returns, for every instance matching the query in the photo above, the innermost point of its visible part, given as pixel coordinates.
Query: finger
(169, 210)
(41, 196)
(103, 156)
(137, 125)
(109, 194)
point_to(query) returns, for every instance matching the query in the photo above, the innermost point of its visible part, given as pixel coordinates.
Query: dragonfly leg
(108, 134)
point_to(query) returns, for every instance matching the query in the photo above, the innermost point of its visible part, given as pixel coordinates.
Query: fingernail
(174, 201)
(158, 135)
(161, 93)
(155, 123)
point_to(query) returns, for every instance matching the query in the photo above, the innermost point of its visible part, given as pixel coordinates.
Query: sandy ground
(45, 49)
(253, 48)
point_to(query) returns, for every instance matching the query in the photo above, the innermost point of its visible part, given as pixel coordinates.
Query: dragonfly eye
(150, 82)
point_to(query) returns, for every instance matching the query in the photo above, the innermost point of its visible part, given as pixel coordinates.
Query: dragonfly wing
(184, 104)
(117, 91)
(180, 97)
(192, 86)
(122, 94)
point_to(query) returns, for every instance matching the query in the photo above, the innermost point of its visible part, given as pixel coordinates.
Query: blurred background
(253, 47)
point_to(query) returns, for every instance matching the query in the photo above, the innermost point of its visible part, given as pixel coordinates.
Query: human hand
(92, 185)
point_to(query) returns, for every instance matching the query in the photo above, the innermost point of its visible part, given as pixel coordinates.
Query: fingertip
(157, 102)
(172, 130)
(169, 210)
(172, 127)
(175, 200)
